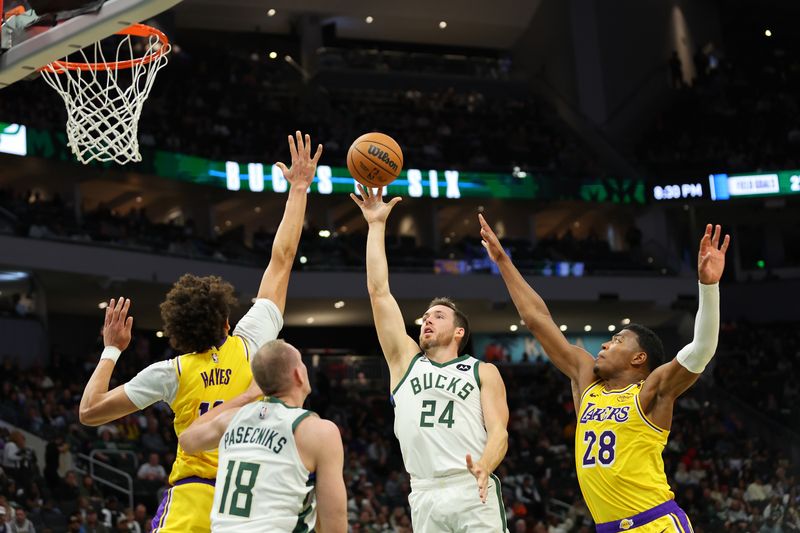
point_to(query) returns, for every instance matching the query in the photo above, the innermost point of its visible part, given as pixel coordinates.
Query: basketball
(375, 160)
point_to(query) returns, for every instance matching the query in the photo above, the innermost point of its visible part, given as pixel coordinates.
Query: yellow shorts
(665, 524)
(664, 518)
(186, 507)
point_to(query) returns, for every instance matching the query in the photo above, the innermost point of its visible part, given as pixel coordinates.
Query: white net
(104, 103)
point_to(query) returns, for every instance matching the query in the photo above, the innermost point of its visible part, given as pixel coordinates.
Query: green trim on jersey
(477, 374)
(500, 500)
(300, 419)
(452, 361)
(273, 399)
(301, 526)
(408, 370)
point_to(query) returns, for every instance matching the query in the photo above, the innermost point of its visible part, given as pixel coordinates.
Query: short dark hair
(649, 343)
(195, 312)
(272, 365)
(460, 319)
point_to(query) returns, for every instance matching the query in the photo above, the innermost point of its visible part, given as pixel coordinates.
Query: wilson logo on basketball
(382, 155)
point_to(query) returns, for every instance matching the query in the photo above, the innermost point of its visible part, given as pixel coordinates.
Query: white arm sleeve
(157, 382)
(259, 325)
(695, 356)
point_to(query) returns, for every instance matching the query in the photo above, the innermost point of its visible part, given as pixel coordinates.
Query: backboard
(39, 46)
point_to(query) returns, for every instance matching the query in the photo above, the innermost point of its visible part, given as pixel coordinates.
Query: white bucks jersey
(262, 484)
(438, 417)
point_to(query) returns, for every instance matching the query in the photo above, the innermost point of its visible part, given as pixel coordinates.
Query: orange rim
(136, 30)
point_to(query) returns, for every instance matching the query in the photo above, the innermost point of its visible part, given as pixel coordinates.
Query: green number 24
(429, 410)
(241, 488)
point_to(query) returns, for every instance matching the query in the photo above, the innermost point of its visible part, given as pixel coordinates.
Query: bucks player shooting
(450, 411)
(280, 466)
(215, 366)
(624, 398)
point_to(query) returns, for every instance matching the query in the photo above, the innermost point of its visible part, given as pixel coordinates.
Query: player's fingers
(124, 312)
(725, 244)
(356, 200)
(129, 324)
(394, 201)
(300, 146)
(109, 308)
(292, 148)
(317, 154)
(717, 234)
(469, 461)
(482, 220)
(363, 191)
(307, 145)
(282, 167)
(118, 308)
(704, 261)
(377, 192)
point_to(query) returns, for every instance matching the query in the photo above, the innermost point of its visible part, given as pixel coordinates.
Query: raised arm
(98, 404)
(398, 348)
(495, 418)
(573, 361)
(323, 442)
(275, 281)
(672, 379)
(205, 432)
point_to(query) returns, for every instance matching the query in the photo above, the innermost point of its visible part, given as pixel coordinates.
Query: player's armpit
(660, 390)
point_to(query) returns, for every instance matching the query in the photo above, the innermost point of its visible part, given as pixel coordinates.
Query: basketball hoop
(102, 113)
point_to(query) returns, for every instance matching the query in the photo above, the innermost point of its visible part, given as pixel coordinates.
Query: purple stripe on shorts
(644, 518)
(684, 520)
(162, 510)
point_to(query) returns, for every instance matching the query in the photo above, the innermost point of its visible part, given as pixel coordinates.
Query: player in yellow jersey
(624, 398)
(215, 367)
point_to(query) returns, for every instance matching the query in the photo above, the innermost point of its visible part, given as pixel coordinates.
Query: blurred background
(597, 137)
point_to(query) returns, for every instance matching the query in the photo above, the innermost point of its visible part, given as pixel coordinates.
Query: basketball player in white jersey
(280, 466)
(450, 412)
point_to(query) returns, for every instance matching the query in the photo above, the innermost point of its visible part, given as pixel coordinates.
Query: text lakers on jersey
(618, 454)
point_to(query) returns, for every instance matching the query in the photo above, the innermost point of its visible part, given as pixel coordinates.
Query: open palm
(372, 205)
(303, 168)
(711, 257)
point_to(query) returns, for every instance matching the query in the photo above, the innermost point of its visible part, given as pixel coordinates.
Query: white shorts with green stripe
(452, 505)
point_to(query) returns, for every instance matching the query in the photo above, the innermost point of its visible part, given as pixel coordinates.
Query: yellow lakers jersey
(206, 380)
(618, 454)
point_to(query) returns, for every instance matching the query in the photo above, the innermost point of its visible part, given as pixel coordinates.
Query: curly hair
(195, 312)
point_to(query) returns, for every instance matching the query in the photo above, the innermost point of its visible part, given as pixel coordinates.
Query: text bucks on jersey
(438, 416)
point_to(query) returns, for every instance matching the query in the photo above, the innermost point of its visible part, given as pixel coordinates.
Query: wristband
(111, 352)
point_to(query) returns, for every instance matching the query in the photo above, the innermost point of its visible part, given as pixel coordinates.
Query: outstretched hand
(372, 205)
(490, 241)
(118, 325)
(711, 258)
(303, 168)
(481, 475)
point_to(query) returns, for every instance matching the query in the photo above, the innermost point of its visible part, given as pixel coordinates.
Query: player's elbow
(187, 443)
(283, 254)
(377, 289)
(90, 416)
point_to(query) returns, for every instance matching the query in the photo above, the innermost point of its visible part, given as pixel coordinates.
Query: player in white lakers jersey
(214, 367)
(280, 466)
(450, 412)
(626, 397)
